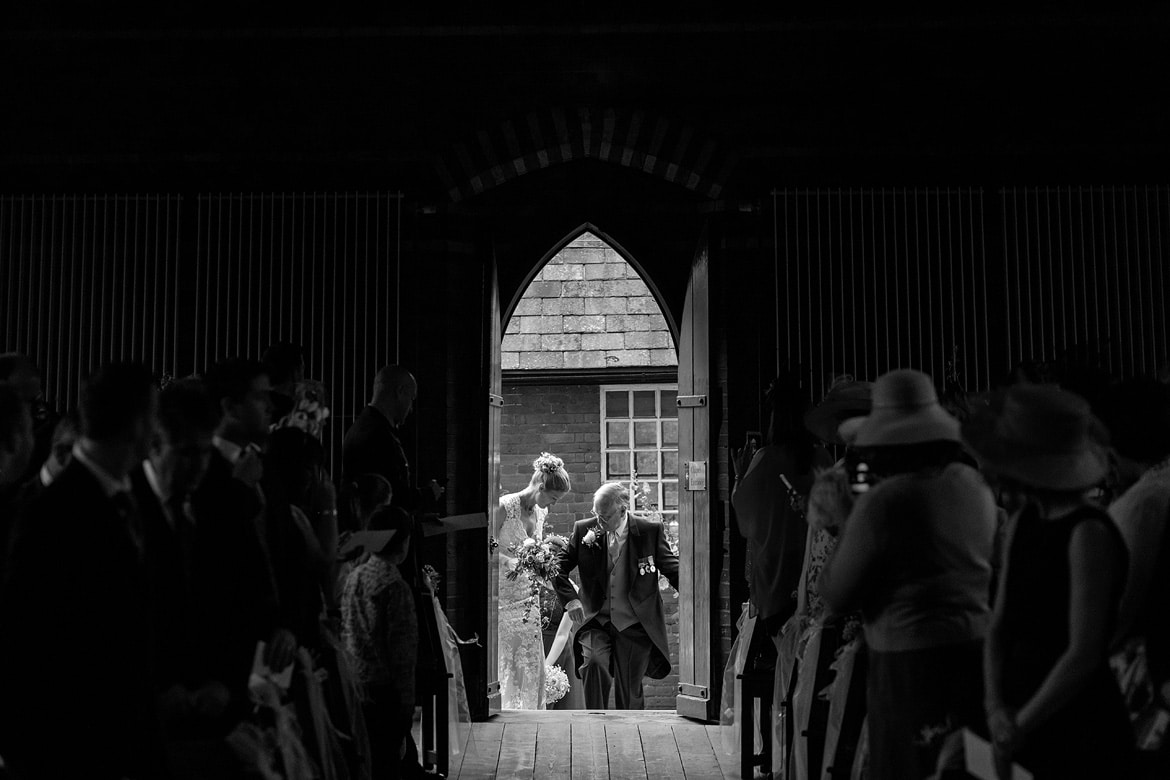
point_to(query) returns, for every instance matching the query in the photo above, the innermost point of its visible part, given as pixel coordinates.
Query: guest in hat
(914, 557)
(380, 630)
(1052, 704)
(814, 652)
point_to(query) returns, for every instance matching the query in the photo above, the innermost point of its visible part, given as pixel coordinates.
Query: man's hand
(280, 650)
(577, 615)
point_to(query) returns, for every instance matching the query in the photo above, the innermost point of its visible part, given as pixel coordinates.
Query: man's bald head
(394, 392)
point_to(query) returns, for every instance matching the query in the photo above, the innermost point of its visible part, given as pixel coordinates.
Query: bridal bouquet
(540, 563)
(556, 685)
(538, 560)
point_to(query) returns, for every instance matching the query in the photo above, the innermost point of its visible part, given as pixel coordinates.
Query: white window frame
(669, 516)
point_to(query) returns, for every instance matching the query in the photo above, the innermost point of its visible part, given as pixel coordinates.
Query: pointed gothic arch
(570, 237)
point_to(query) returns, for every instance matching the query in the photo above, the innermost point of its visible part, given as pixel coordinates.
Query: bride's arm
(507, 562)
(564, 631)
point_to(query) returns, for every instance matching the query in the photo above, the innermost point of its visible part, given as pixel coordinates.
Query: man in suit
(229, 505)
(75, 665)
(372, 446)
(621, 634)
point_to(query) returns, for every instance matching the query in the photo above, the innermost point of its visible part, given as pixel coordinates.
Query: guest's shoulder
(647, 522)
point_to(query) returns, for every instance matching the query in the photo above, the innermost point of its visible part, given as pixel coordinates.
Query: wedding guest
(380, 629)
(819, 653)
(1139, 424)
(16, 445)
(230, 501)
(364, 495)
(302, 526)
(373, 445)
(1052, 703)
(75, 665)
(297, 401)
(914, 556)
(19, 371)
(769, 510)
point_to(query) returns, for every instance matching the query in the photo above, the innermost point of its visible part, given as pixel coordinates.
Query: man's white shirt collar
(229, 449)
(110, 486)
(154, 482)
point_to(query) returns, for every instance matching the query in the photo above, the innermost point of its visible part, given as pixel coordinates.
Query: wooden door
(495, 404)
(696, 692)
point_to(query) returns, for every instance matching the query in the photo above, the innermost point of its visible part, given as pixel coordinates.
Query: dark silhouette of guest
(25, 377)
(380, 629)
(1052, 702)
(914, 556)
(75, 665)
(231, 498)
(16, 446)
(302, 529)
(770, 512)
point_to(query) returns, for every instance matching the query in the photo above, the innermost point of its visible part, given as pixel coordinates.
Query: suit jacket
(372, 446)
(168, 571)
(645, 540)
(75, 644)
(232, 583)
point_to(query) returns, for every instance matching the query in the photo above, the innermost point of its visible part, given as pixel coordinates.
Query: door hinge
(496, 400)
(691, 401)
(493, 689)
(697, 691)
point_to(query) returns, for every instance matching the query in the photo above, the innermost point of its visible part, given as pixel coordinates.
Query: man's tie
(127, 510)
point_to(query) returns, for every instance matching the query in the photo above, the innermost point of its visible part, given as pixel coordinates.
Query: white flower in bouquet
(556, 685)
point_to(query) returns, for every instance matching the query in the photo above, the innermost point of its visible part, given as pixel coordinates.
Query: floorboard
(698, 757)
(729, 764)
(625, 751)
(590, 760)
(584, 745)
(662, 758)
(518, 751)
(483, 751)
(554, 750)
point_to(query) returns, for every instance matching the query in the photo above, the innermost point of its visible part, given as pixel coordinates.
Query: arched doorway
(626, 408)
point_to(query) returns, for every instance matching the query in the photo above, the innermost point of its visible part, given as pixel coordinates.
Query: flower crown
(548, 463)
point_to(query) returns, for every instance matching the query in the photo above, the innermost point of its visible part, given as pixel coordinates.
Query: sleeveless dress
(520, 640)
(1090, 736)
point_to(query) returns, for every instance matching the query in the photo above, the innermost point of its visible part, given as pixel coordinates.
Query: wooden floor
(575, 745)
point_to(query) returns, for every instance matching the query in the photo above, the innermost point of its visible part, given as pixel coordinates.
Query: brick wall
(566, 420)
(587, 308)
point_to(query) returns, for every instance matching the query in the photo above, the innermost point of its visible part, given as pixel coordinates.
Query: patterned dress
(521, 643)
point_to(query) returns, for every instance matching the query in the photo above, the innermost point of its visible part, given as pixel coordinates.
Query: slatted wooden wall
(180, 282)
(1086, 272)
(968, 282)
(874, 279)
(90, 278)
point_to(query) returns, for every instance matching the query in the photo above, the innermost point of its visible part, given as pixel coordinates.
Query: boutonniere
(593, 536)
(646, 565)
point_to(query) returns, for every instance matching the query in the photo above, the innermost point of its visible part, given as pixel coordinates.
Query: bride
(519, 517)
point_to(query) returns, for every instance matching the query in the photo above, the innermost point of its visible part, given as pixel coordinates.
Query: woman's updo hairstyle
(549, 471)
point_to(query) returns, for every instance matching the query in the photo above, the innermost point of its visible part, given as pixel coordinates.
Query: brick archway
(652, 143)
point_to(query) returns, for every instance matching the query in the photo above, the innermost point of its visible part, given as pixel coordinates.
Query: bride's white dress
(521, 644)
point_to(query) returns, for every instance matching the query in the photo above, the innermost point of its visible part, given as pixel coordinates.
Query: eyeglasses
(608, 519)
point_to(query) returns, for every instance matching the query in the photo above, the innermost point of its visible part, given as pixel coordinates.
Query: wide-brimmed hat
(1042, 436)
(905, 411)
(846, 398)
